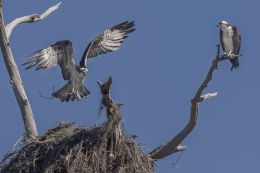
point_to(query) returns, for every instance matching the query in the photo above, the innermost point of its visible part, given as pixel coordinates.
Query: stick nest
(71, 149)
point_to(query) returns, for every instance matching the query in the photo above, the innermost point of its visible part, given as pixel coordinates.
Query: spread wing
(108, 41)
(236, 41)
(60, 53)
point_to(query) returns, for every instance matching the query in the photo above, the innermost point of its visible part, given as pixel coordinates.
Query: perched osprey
(230, 40)
(61, 53)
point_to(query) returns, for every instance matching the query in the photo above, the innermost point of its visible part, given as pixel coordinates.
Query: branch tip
(181, 148)
(208, 96)
(30, 19)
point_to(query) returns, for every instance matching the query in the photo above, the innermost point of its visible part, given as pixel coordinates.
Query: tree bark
(16, 82)
(174, 145)
(14, 75)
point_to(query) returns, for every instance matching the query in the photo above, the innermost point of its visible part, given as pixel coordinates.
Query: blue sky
(155, 74)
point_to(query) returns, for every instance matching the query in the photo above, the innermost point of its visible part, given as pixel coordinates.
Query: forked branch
(14, 75)
(174, 144)
(29, 19)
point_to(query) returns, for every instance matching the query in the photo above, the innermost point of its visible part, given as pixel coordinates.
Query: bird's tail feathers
(70, 93)
(235, 63)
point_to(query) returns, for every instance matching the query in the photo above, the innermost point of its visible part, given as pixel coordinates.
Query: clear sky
(155, 74)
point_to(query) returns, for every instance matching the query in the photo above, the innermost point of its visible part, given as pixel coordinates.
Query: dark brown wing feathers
(60, 53)
(108, 41)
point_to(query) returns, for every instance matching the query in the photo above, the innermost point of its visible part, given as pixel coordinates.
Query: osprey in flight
(61, 53)
(230, 40)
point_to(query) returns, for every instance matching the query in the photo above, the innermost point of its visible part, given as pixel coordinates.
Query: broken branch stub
(113, 108)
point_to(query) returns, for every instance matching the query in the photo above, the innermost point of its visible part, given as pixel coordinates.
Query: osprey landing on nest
(230, 40)
(61, 53)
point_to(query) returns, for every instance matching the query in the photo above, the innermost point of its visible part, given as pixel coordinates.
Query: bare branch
(170, 147)
(29, 19)
(208, 96)
(15, 78)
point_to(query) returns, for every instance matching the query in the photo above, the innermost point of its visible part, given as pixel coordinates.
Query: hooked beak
(86, 71)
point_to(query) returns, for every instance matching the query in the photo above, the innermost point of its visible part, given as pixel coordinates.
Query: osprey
(230, 40)
(61, 53)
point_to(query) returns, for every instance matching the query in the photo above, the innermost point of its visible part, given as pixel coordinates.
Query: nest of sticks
(71, 149)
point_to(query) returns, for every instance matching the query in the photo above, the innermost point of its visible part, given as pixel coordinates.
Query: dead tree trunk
(16, 82)
(15, 78)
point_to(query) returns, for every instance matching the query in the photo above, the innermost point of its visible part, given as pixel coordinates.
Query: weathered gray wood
(174, 144)
(15, 78)
(16, 82)
(30, 19)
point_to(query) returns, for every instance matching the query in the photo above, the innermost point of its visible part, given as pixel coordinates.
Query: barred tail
(70, 93)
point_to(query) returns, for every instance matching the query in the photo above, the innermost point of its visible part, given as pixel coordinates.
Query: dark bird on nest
(230, 40)
(61, 53)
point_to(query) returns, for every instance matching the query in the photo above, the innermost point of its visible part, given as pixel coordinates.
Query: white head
(223, 24)
(83, 70)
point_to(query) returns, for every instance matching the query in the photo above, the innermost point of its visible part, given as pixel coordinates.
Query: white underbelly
(228, 44)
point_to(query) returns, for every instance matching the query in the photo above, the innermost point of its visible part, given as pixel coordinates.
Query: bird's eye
(84, 70)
